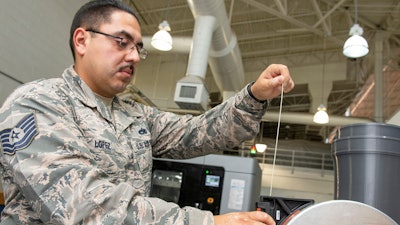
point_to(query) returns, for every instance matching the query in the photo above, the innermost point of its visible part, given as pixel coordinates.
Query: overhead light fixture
(261, 147)
(321, 116)
(162, 40)
(356, 46)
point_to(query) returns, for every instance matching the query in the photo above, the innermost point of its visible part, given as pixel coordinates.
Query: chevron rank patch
(20, 136)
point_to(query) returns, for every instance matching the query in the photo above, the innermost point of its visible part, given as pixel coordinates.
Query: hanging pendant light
(321, 116)
(261, 147)
(356, 46)
(162, 39)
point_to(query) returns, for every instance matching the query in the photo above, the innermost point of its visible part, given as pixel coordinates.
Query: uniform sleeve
(50, 176)
(222, 127)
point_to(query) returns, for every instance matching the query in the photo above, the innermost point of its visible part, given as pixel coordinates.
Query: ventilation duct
(215, 43)
(190, 91)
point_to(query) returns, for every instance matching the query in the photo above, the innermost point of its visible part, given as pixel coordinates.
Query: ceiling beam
(333, 9)
(290, 19)
(281, 6)
(321, 18)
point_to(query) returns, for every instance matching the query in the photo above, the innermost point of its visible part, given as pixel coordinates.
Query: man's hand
(243, 218)
(269, 83)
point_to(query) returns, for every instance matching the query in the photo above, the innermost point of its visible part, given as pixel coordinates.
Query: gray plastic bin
(367, 166)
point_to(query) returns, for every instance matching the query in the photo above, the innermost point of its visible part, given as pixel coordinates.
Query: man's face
(105, 65)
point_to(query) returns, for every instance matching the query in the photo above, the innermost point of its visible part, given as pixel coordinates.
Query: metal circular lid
(343, 212)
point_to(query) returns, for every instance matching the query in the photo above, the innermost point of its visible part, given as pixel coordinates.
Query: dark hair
(93, 14)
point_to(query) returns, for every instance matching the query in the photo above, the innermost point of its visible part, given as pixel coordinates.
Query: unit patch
(20, 136)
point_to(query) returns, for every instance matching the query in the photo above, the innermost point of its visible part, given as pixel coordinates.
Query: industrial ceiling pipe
(224, 56)
(307, 119)
(200, 48)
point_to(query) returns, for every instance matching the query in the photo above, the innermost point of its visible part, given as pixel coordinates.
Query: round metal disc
(343, 212)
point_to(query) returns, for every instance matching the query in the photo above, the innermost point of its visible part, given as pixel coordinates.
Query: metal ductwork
(213, 42)
(224, 56)
(190, 91)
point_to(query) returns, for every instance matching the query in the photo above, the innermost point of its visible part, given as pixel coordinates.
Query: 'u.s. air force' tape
(20, 136)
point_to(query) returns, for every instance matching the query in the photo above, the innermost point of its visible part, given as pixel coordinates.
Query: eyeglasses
(125, 43)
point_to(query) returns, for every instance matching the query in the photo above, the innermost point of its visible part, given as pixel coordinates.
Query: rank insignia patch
(20, 136)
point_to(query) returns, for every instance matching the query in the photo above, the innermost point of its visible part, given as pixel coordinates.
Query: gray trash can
(367, 166)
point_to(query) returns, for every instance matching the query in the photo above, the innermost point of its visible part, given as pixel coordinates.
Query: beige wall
(296, 182)
(34, 40)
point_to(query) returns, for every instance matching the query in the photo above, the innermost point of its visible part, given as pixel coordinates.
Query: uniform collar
(83, 92)
(79, 87)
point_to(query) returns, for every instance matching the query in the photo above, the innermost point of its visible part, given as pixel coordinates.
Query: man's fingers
(262, 217)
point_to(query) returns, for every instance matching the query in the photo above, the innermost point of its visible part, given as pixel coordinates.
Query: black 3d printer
(218, 183)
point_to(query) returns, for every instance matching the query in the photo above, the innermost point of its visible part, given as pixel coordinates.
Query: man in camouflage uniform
(72, 152)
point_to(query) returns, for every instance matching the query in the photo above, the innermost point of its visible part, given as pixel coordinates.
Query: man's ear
(80, 39)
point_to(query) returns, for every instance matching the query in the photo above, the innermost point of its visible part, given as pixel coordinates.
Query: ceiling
(296, 33)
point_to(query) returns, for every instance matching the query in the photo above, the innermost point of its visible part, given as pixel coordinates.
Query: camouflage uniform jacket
(67, 159)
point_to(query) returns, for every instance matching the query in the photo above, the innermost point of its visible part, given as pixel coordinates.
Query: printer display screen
(212, 180)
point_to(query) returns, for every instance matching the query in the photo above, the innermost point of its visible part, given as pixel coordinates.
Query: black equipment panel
(186, 184)
(282, 209)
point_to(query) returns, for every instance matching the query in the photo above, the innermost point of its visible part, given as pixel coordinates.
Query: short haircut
(95, 13)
